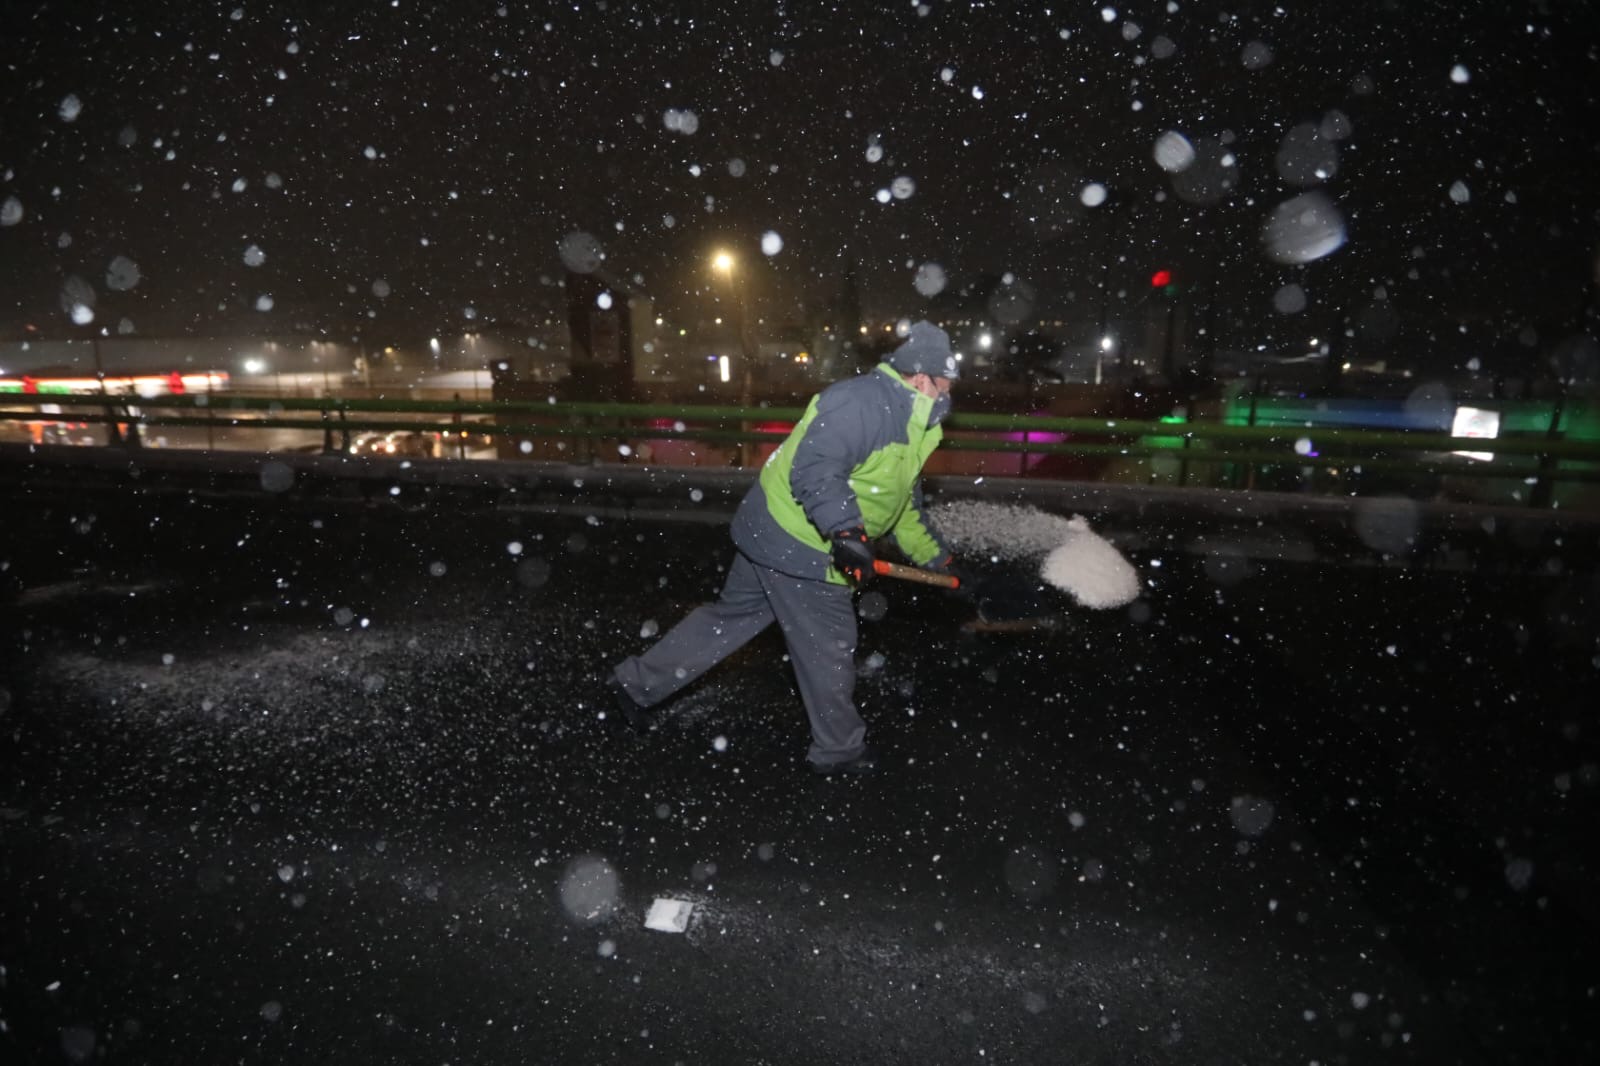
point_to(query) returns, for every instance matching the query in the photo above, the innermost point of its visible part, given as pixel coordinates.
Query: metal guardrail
(1540, 459)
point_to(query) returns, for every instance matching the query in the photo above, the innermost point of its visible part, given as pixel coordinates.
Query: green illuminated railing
(1237, 454)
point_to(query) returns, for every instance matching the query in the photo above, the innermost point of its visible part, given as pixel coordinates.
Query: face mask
(941, 409)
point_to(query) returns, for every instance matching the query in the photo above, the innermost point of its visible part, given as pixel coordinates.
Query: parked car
(401, 445)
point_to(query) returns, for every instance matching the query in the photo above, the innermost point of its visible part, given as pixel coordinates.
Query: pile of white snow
(1073, 557)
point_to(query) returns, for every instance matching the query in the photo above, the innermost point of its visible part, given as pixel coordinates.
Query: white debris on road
(669, 915)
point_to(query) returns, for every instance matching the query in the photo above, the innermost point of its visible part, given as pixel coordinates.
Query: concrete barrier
(1220, 523)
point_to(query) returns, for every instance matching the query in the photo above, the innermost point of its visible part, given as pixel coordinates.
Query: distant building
(284, 363)
(281, 361)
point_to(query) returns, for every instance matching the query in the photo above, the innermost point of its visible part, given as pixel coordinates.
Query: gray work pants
(819, 624)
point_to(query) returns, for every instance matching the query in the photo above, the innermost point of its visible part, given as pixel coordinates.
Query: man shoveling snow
(848, 474)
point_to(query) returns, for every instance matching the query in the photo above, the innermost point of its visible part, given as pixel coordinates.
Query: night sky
(398, 167)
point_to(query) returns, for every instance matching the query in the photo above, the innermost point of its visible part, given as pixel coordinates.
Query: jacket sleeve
(916, 537)
(836, 442)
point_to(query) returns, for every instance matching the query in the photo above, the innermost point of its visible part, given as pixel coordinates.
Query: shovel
(1010, 603)
(1005, 604)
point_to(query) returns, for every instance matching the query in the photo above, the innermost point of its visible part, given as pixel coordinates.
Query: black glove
(852, 554)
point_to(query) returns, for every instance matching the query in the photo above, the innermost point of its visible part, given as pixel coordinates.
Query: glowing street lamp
(724, 263)
(1106, 344)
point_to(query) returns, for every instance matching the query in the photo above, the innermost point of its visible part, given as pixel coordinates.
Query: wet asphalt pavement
(302, 783)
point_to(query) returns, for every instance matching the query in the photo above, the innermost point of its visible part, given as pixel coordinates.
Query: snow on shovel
(1075, 559)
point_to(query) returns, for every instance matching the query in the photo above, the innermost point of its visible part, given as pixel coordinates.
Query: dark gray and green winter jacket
(854, 459)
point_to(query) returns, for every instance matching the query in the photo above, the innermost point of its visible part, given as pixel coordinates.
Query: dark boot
(863, 765)
(628, 711)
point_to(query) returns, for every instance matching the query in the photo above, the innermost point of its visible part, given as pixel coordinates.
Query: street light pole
(724, 264)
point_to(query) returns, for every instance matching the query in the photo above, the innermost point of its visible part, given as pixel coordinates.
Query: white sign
(669, 915)
(1476, 422)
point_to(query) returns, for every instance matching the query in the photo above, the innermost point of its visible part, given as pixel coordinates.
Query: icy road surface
(290, 785)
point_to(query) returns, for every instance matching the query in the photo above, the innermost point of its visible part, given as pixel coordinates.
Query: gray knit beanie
(926, 351)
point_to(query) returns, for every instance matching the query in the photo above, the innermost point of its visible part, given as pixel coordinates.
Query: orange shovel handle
(884, 568)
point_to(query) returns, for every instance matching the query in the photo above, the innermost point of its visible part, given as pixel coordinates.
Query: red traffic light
(1161, 279)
